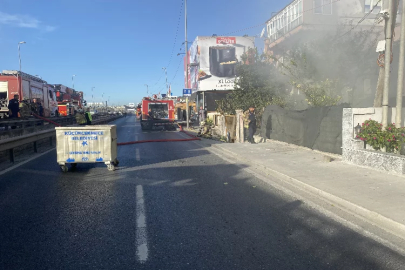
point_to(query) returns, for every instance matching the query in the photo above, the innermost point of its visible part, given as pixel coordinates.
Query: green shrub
(374, 135)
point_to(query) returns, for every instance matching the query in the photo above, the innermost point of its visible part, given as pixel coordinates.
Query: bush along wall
(373, 134)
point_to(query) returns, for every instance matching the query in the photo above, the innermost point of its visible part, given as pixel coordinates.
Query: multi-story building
(310, 19)
(301, 16)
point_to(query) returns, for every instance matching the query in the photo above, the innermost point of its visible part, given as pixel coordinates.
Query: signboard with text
(211, 62)
(187, 92)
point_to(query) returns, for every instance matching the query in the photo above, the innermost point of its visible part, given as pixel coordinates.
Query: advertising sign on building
(212, 62)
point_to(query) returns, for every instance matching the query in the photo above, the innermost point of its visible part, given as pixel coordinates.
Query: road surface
(171, 205)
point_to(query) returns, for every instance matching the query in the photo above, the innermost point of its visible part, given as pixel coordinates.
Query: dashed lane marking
(141, 227)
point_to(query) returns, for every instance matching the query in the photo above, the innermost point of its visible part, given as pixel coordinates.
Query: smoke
(342, 54)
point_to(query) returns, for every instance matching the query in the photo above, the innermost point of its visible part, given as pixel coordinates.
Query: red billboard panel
(226, 40)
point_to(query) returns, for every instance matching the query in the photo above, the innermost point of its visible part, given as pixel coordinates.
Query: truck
(68, 100)
(27, 87)
(157, 112)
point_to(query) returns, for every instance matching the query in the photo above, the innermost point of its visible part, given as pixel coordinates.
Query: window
(318, 6)
(369, 4)
(327, 7)
(323, 7)
(286, 20)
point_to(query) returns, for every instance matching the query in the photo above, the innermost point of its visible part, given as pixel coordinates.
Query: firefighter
(14, 107)
(25, 110)
(88, 117)
(80, 118)
(249, 120)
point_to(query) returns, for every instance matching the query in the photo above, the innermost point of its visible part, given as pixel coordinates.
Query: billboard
(212, 62)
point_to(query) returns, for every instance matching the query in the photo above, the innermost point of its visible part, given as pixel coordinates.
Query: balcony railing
(285, 21)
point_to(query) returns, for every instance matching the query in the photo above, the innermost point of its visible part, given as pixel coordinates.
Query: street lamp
(73, 81)
(147, 89)
(19, 57)
(165, 69)
(357, 130)
(92, 96)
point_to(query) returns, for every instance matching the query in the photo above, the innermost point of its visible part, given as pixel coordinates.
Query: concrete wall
(316, 128)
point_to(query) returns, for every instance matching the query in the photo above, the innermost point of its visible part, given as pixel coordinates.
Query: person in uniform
(13, 107)
(250, 123)
(88, 117)
(80, 118)
(25, 110)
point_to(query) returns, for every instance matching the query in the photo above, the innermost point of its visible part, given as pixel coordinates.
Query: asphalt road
(172, 205)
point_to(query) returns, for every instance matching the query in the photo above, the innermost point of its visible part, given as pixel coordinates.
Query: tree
(255, 85)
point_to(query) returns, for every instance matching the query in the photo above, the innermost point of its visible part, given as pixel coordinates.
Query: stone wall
(316, 128)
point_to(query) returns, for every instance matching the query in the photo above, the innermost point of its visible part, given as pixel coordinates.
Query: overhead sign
(186, 92)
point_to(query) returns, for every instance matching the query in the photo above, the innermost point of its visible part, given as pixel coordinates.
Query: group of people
(24, 109)
(83, 118)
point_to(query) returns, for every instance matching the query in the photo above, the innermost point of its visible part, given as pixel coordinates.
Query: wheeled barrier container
(86, 144)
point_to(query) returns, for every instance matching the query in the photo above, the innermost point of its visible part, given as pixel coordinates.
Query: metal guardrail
(19, 127)
(11, 143)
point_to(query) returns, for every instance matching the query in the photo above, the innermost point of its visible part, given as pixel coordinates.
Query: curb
(375, 218)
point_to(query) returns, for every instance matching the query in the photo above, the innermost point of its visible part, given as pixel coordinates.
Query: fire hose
(193, 138)
(46, 119)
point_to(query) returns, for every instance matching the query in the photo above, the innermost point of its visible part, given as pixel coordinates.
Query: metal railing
(11, 143)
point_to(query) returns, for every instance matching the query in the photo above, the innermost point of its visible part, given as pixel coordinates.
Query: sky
(118, 46)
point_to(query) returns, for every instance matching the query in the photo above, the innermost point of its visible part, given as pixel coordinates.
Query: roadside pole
(387, 62)
(186, 51)
(400, 84)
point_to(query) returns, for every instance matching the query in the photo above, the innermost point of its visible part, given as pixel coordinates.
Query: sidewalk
(377, 196)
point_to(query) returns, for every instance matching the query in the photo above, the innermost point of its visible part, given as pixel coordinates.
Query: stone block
(377, 160)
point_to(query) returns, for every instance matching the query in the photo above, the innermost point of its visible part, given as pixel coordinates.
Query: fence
(10, 144)
(317, 128)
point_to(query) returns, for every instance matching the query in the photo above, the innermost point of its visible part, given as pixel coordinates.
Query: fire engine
(157, 112)
(27, 87)
(68, 99)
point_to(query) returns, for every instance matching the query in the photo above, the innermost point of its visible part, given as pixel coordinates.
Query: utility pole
(387, 61)
(186, 51)
(400, 84)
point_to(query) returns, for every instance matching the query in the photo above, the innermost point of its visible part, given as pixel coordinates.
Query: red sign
(226, 40)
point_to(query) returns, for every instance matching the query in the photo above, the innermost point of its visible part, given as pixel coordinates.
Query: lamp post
(20, 81)
(73, 81)
(186, 50)
(92, 96)
(166, 77)
(147, 89)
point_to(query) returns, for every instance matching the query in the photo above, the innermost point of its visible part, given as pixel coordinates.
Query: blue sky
(117, 46)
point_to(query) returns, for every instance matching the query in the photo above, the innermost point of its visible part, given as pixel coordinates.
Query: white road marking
(26, 161)
(138, 156)
(136, 137)
(141, 229)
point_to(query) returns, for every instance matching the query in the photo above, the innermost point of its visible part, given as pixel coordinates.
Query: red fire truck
(27, 87)
(157, 112)
(68, 99)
